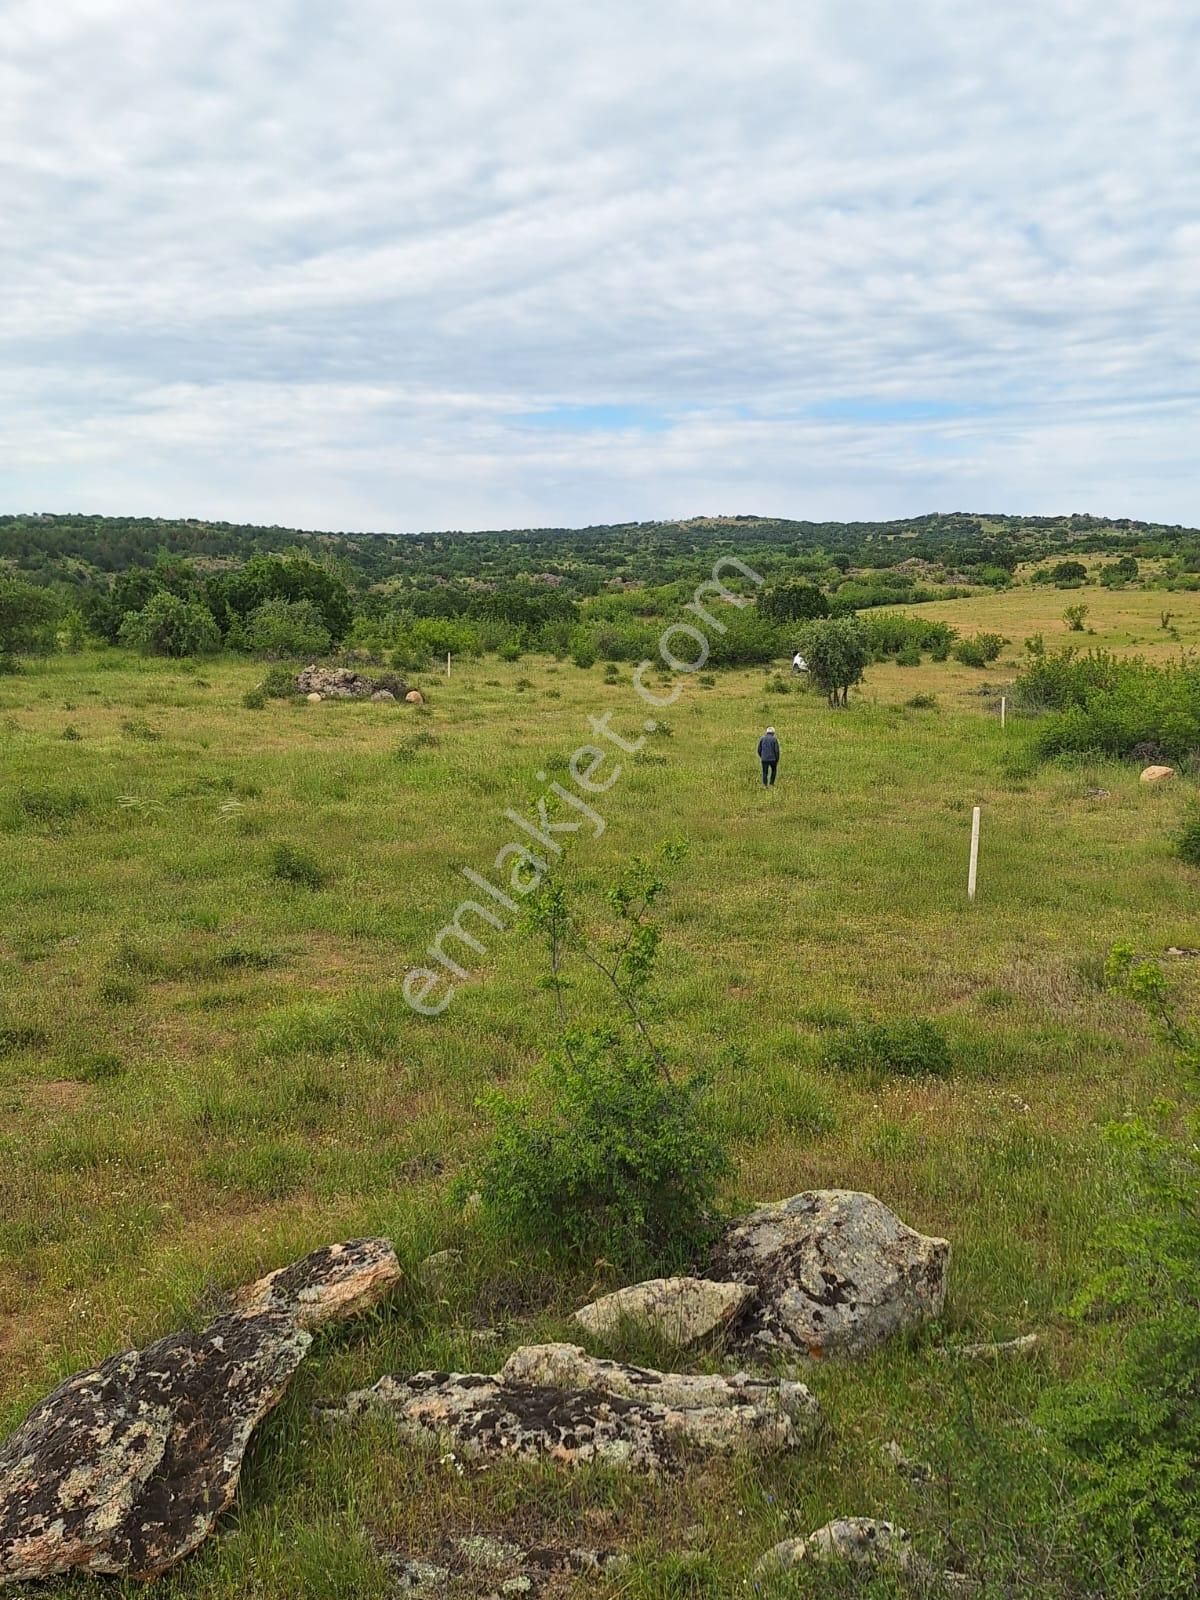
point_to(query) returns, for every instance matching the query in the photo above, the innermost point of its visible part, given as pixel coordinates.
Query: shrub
(510, 650)
(583, 656)
(904, 1048)
(922, 702)
(1188, 841)
(291, 628)
(616, 1162)
(169, 626)
(1112, 706)
(27, 617)
(1129, 1429)
(292, 865)
(279, 683)
(980, 649)
(910, 656)
(1075, 617)
(254, 699)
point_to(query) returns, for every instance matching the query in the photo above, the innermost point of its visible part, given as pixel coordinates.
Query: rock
(983, 1352)
(343, 683)
(124, 1469)
(683, 1310)
(566, 1366)
(859, 1541)
(837, 1273)
(1157, 774)
(331, 1284)
(554, 1402)
(382, 696)
(438, 1271)
(494, 1567)
(917, 1471)
(415, 697)
(314, 699)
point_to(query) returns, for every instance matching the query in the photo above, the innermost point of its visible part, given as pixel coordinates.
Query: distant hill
(79, 549)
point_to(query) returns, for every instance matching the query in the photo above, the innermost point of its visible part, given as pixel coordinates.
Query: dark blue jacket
(768, 748)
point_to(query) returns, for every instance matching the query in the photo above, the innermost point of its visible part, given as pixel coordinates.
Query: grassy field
(206, 1070)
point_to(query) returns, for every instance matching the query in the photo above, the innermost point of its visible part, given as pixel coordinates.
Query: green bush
(1187, 843)
(1129, 1428)
(910, 656)
(279, 683)
(169, 626)
(292, 865)
(47, 806)
(1112, 706)
(980, 649)
(613, 1161)
(254, 699)
(905, 1048)
(292, 628)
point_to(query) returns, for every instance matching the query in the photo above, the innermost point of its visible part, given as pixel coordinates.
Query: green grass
(208, 1068)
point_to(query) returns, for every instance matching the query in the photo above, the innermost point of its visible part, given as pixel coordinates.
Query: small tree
(614, 1156)
(837, 653)
(1075, 617)
(27, 617)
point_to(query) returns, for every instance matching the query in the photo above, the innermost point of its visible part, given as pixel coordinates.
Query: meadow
(207, 1068)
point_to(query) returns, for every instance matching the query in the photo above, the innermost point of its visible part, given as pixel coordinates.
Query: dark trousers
(769, 771)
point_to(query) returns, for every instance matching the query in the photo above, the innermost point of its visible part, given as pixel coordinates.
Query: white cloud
(274, 263)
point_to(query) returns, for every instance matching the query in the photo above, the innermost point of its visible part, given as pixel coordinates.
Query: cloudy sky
(483, 263)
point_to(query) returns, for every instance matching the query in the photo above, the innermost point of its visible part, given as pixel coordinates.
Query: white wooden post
(1003, 708)
(972, 871)
(447, 663)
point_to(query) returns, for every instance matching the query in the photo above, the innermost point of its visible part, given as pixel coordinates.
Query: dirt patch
(60, 1095)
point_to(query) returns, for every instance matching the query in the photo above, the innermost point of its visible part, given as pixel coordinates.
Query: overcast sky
(386, 265)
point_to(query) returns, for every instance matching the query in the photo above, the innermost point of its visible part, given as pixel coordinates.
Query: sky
(459, 265)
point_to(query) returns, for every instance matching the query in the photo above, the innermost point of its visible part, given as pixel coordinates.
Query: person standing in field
(768, 754)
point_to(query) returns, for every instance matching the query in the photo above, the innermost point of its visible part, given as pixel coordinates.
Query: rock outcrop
(124, 1469)
(685, 1311)
(837, 1273)
(343, 683)
(557, 1403)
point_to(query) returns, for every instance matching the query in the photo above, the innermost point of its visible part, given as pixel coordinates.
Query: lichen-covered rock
(383, 697)
(335, 1282)
(624, 1416)
(858, 1541)
(682, 1310)
(343, 683)
(837, 1273)
(414, 697)
(566, 1366)
(478, 1564)
(1157, 774)
(124, 1469)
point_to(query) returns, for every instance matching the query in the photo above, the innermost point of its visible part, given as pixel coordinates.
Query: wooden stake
(447, 663)
(1003, 708)
(972, 871)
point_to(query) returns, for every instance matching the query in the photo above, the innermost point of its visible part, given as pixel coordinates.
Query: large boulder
(553, 1402)
(125, 1468)
(684, 1311)
(1157, 774)
(837, 1273)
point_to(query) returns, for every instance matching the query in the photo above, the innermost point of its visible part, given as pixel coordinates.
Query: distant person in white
(798, 663)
